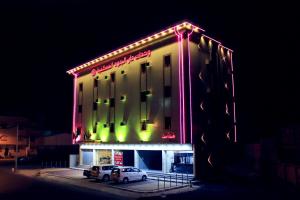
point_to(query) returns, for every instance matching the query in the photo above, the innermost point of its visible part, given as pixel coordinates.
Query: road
(14, 187)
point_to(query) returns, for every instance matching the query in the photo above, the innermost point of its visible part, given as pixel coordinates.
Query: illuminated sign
(3, 138)
(119, 63)
(118, 157)
(169, 135)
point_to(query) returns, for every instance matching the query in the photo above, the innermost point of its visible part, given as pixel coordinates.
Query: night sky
(40, 40)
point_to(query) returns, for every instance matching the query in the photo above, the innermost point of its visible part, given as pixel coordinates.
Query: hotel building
(165, 102)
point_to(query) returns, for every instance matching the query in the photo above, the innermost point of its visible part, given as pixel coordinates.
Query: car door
(137, 174)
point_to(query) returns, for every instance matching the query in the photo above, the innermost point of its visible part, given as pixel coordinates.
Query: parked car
(126, 174)
(101, 172)
(87, 172)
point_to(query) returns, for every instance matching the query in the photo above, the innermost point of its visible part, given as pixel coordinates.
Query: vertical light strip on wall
(180, 94)
(190, 85)
(233, 95)
(182, 87)
(74, 104)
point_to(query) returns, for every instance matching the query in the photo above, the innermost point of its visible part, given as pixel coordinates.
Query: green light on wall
(122, 132)
(104, 133)
(145, 134)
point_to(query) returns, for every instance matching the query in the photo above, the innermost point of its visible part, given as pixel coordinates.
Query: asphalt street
(14, 187)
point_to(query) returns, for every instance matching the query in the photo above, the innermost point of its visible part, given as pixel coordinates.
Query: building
(165, 102)
(9, 139)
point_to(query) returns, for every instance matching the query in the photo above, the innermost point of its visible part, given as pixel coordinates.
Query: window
(80, 87)
(168, 123)
(112, 102)
(167, 60)
(95, 129)
(112, 77)
(144, 67)
(143, 97)
(144, 126)
(167, 91)
(136, 170)
(95, 83)
(95, 106)
(78, 131)
(79, 108)
(112, 128)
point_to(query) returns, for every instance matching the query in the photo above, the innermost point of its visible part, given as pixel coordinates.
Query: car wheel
(105, 178)
(144, 178)
(125, 180)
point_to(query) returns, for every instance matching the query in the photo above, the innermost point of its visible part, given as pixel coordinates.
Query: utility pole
(17, 149)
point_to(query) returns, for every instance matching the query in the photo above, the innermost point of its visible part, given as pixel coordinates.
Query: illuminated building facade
(156, 103)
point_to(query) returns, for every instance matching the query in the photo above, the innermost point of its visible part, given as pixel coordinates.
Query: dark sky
(40, 40)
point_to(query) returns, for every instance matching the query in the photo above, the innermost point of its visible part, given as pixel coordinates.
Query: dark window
(112, 102)
(81, 87)
(95, 83)
(143, 68)
(112, 77)
(167, 122)
(79, 108)
(167, 91)
(95, 106)
(78, 131)
(112, 128)
(167, 61)
(144, 126)
(95, 129)
(143, 97)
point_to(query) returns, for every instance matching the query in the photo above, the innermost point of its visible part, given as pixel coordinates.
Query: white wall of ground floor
(157, 157)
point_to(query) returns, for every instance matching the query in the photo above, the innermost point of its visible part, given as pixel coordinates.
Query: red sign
(118, 157)
(119, 63)
(169, 135)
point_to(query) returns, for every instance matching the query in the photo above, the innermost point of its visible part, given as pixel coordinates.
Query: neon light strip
(180, 95)
(74, 104)
(190, 87)
(184, 25)
(182, 87)
(211, 39)
(226, 48)
(233, 95)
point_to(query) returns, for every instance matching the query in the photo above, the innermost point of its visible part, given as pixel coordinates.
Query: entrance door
(87, 157)
(151, 160)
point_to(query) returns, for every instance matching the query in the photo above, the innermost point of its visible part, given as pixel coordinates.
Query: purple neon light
(74, 104)
(233, 95)
(190, 86)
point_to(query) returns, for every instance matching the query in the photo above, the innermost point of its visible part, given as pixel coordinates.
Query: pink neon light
(74, 104)
(121, 62)
(190, 86)
(179, 74)
(233, 95)
(182, 82)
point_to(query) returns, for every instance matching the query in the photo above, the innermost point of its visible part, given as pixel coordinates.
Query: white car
(126, 174)
(102, 172)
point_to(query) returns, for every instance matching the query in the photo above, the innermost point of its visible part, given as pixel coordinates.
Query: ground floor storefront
(166, 158)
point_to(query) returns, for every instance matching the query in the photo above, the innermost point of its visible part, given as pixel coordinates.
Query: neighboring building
(46, 145)
(8, 137)
(165, 102)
